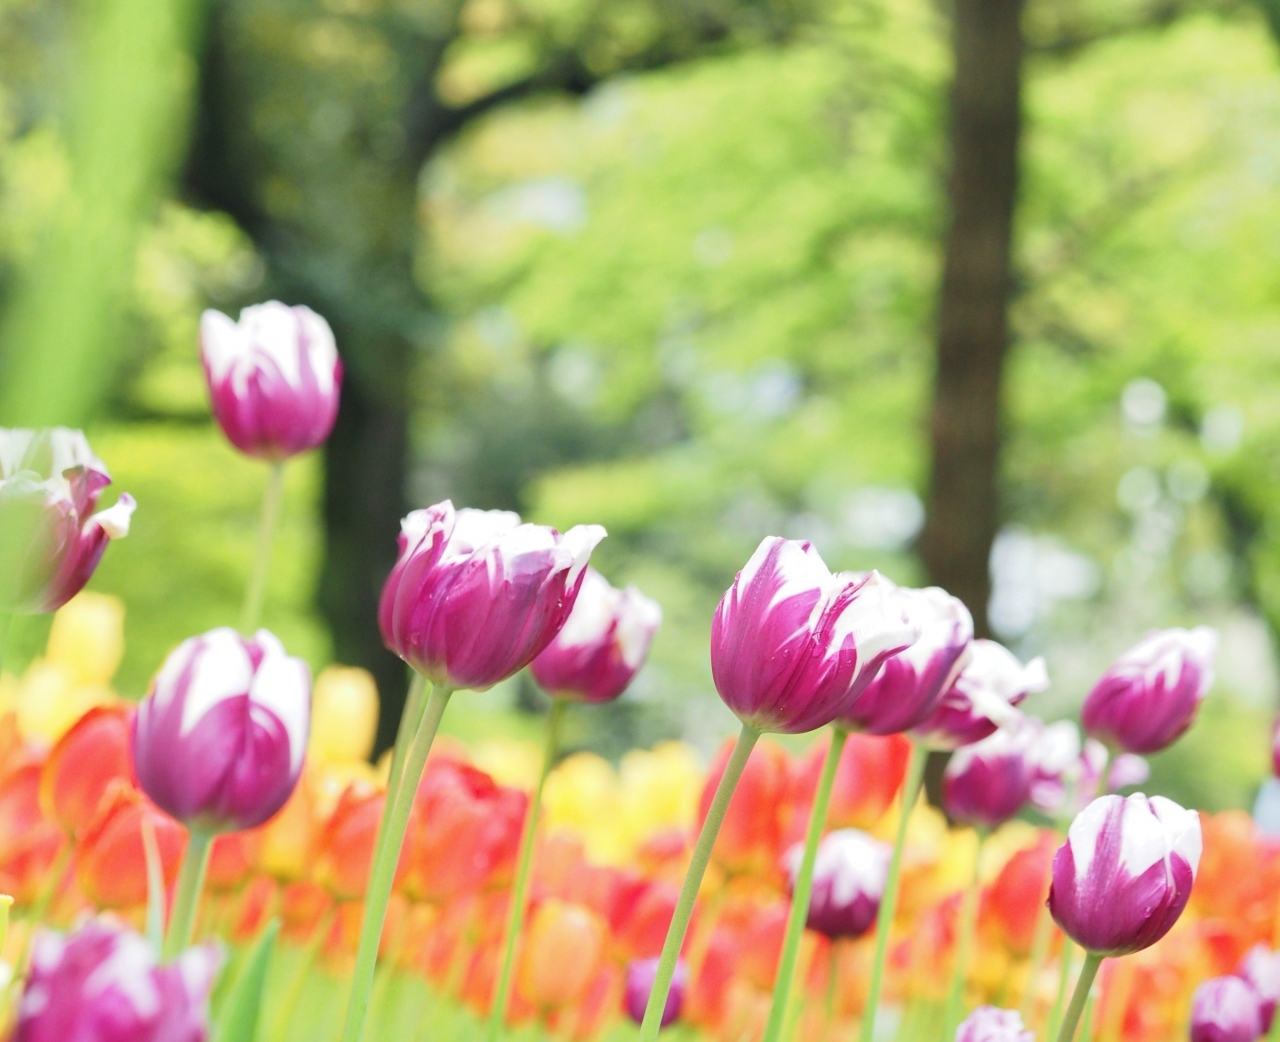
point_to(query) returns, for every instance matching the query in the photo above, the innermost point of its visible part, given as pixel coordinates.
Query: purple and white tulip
(982, 697)
(1125, 873)
(50, 482)
(989, 1024)
(1067, 775)
(104, 983)
(1150, 695)
(218, 742)
(849, 876)
(640, 977)
(274, 378)
(603, 644)
(1226, 1009)
(793, 646)
(1261, 968)
(476, 596)
(910, 685)
(987, 783)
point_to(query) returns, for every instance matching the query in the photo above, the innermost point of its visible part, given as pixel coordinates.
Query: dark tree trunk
(973, 328)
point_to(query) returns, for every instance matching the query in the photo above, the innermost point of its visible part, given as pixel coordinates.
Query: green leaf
(238, 1021)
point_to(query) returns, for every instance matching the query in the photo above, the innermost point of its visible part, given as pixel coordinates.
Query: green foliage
(239, 1019)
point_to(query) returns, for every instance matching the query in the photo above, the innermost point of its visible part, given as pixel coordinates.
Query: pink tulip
(849, 877)
(50, 481)
(989, 1024)
(274, 378)
(104, 983)
(640, 977)
(1150, 695)
(1261, 968)
(793, 646)
(476, 595)
(987, 783)
(1067, 774)
(910, 685)
(1125, 873)
(1225, 1009)
(602, 645)
(219, 740)
(981, 699)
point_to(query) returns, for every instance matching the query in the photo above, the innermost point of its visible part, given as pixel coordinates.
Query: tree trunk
(973, 329)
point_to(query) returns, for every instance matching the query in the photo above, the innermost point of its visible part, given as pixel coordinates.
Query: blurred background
(970, 291)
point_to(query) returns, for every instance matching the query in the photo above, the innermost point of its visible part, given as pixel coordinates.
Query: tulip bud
(602, 645)
(849, 876)
(84, 764)
(640, 977)
(792, 646)
(344, 715)
(987, 783)
(910, 685)
(50, 481)
(273, 377)
(104, 983)
(1150, 695)
(219, 740)
(1125, 873)
(981, 699)
(1261, 968)
(1225, 1009)
(563, 949)
(989, 1024)
(111, 861)
(475, 595)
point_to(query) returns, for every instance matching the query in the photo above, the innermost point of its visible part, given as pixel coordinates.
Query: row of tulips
(218, 744)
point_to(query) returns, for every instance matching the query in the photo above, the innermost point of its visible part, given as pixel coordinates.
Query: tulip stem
(889, 902)
(182, 922)
(410, 718)
(1078, 998)
(964, 944)
(395, 820)
(652, 1023)
(519, 894)
(803, 889)
(256, 591)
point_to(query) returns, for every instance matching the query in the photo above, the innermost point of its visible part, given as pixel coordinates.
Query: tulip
(563, 949)
(640, 977)
(1068, 775)
(981, 698)
(1015, 902)
(1225, 1009)
(1150, 695)
(87, 760)
(344, 715)
(849, 875)
(910, 685)
(869, 777)
(793, 646)
(1261, 968)
(754, 832)
(273, 377)
(87, 636)
(50, 481)
(345, 845)
(103, 984)
(987, 783)
(111, 858)
(989, 1024)
(29, 842)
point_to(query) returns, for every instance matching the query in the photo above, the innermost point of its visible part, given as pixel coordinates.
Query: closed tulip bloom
(344, 848)
(1015, 900)
(111, 855)
(344, 715)
(1226, 1009)
(104, 983)
(1261, 968)
(640, 978)
(793, 646)
(1150, 695)
(29, 841)
(563, 948)
(50, 482)
(1068, 774)
(1125, 873)
(475, 595)
(910, 685)
(982, 697)
(273, 377)
(219, 740)
(989, 1024)
(987, 783)
(84, 764)
(602, 645)
(849, 876)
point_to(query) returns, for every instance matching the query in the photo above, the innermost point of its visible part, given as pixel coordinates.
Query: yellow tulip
(660, 789)
(509, 761)
(51, 698)
(581, 797)
(344, 715)
(88, 637)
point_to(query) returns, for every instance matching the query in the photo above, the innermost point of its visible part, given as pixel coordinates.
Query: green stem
(747, 739)
(1083, 983)
(519, 894)
(186, 901)
(293, 993)
(889, 902)
(256, 591)
(1064, 977)
(964, 944)
(395, 821)
(1274, 1034)
(410, 718)
(803, 889)
(1039, 952)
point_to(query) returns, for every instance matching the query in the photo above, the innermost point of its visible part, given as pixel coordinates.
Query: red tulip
(756, 827)
(29, 842)
(84, 764)
(111, 865)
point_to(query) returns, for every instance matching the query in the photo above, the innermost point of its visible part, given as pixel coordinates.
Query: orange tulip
(232, 859)
(642, 932)
(346, 842)
(111, 863)
(868, 778)
(29, 842)
(563, 949)
(1015, 901)
(84, 763)
(757, 825)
